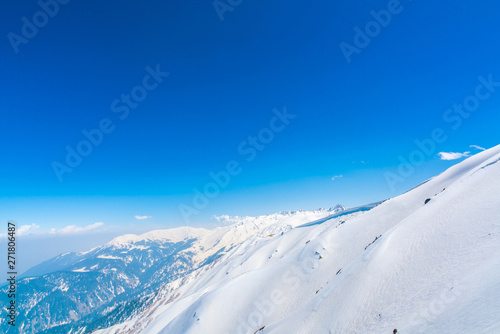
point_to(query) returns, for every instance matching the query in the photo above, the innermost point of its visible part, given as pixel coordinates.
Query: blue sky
(353, 118)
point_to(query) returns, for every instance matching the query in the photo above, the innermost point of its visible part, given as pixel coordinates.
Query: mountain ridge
(129, 270)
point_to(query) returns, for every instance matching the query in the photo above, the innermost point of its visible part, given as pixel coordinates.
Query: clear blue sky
(352, 119)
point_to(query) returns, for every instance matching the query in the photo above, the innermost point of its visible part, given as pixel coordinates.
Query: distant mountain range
(81, 292)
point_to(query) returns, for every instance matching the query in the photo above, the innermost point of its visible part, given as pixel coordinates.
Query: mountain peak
(174, 235)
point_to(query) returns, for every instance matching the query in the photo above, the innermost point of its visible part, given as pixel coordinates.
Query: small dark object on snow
(260, 329)
(395, 331)
(427, 201)
(371, 243)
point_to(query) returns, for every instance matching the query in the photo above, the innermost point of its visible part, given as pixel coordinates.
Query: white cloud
(27, 229)
(142, 217)
(452, 155)
(336, 177)
(73, 229)
(22, 230)
(478, 147)
(226, 219)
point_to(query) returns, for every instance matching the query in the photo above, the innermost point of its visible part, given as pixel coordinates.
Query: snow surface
(420, 268)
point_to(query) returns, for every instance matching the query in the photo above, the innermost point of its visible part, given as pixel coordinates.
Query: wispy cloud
(142, 217)
(226, 219)
(336, 177)
(478, 147)
(453, 155)
(27, 229)
(73, 229)
(23, 230)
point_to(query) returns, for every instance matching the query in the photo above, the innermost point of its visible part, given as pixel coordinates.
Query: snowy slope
(420, 268)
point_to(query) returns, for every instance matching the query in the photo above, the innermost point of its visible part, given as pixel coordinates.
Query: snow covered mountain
(427, 261)
(424, 262)
(80, 292)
